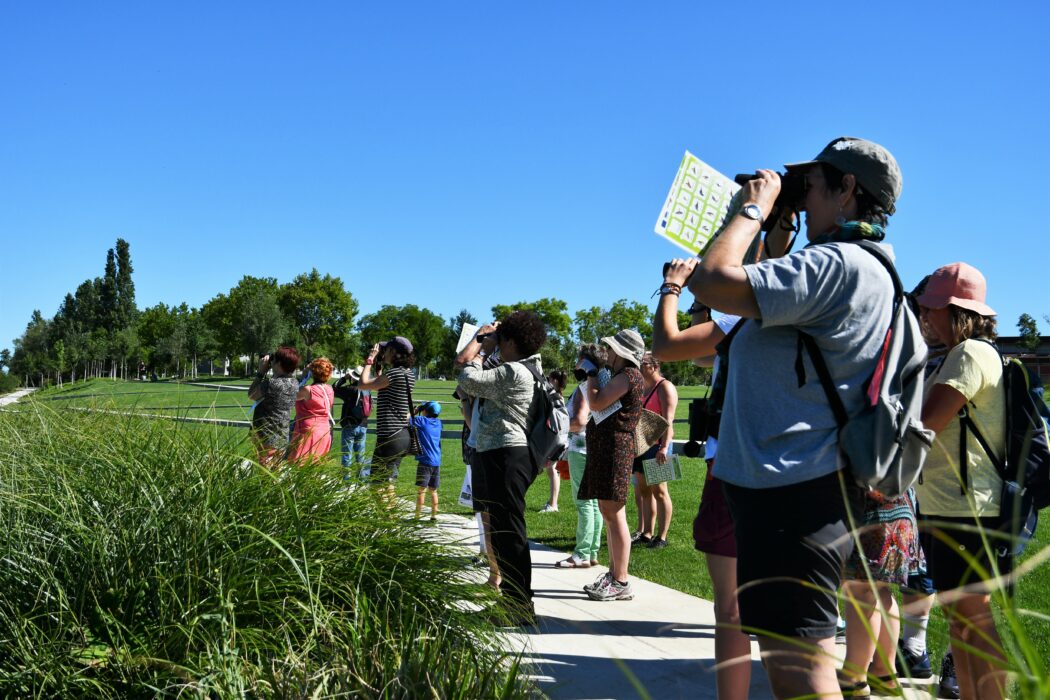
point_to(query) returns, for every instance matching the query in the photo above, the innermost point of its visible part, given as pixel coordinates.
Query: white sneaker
(597, 582)
(612, 590)
(549, 509)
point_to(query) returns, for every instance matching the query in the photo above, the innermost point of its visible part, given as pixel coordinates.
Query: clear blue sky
(463, 154)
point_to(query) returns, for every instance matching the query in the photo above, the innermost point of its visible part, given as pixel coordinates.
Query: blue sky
(463, 154)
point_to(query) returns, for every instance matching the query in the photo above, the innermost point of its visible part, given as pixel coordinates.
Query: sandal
(573, 562)
(851, 688)
(887, 686)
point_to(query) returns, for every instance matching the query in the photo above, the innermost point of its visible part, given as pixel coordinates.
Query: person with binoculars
(780, 467)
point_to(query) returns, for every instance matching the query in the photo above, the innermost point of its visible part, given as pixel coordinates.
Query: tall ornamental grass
(143, 558)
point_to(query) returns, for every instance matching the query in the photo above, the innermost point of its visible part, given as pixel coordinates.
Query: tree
(559, 350)
(320, 308)
(156, 326)
(424, 328)
(1029, 332)
(457, 322)
(31, 358)
(125, 310)
(5, 359)
(595, 323)
(262, 325)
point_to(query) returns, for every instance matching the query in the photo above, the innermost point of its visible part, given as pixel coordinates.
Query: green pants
(588, 517)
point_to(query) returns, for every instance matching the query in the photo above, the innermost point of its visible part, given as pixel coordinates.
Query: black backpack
(1025, 468)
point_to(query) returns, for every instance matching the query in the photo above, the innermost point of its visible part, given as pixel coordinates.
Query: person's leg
(419, 501)
(433, 502)
(863, 625)
(508, 476)
(555, 485)
(976, 648)
(577, 463)
(664, 509)
(615, 516)
(732, 647)
(643, 498)
(490, 553)
(638, 479)
(884, 662)
(346, 441)
(800, 667)
(915, 612)
(360, 433)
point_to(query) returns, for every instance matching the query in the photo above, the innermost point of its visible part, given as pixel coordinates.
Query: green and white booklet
(696, 206)
(655, 473)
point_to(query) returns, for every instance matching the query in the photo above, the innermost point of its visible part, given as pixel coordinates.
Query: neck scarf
(851, 231)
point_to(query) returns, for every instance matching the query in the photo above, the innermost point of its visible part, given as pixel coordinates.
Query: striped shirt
(393, 409)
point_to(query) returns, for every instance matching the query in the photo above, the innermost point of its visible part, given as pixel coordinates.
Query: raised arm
(368, 382)
(671, 344)
(600, 399)
(255, 391)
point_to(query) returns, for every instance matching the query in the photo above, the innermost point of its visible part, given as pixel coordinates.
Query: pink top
(652, 401)
(317, 405)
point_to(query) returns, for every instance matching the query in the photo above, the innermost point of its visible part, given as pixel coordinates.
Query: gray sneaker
(598, 582)
(612, 590)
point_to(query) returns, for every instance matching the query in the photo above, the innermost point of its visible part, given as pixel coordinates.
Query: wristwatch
(753, 212)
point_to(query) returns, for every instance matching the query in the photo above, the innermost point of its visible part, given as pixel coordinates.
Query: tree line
(98, 330)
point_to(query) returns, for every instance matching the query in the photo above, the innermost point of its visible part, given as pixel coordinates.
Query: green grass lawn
(678, 566)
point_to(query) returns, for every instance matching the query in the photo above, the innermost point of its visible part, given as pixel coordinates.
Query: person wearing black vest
(353, 419)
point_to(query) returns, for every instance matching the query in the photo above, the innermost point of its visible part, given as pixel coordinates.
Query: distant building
(1038, 361)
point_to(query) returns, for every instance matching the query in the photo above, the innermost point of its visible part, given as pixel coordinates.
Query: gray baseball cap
(874, 167)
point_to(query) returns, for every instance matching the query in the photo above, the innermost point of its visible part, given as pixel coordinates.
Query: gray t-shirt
(774, 432)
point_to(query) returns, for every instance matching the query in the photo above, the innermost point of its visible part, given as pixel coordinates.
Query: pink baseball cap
(959, 284)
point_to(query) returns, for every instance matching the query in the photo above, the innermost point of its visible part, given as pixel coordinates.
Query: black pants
(507, 474)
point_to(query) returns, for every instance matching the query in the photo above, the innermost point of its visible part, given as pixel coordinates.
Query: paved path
(586, 649)
(15, 396)
(659, 645)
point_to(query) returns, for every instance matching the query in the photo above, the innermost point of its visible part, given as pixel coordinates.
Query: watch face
(753, 211)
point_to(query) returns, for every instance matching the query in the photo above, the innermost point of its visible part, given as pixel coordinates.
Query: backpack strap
(817, 358)
(805, 340)
(967, 424)
(645, 401)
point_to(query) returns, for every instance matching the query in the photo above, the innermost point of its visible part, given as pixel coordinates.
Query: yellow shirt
(972, 368)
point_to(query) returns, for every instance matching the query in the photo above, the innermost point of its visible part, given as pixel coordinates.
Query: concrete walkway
(15, 396)
(659, 645)
(662, 641)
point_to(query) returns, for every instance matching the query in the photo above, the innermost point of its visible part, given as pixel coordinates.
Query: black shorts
(387, 456)
(948, 566)
(428, 477)
(637, 467)
(792, 543)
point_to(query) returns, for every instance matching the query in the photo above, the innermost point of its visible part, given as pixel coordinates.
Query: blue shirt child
(429, 430)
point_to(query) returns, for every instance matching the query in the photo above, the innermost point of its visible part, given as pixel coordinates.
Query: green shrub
(140, 558)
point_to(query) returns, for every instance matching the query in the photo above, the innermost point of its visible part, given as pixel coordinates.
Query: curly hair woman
(312, 437)
(504, 469)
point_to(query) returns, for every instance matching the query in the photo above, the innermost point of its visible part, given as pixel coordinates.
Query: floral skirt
(889, 540)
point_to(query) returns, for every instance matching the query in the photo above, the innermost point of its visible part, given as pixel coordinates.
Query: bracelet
(670, 288)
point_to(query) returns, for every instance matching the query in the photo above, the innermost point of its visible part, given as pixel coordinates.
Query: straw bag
(651, 427)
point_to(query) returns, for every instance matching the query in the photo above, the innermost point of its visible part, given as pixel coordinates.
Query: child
(428, 478)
